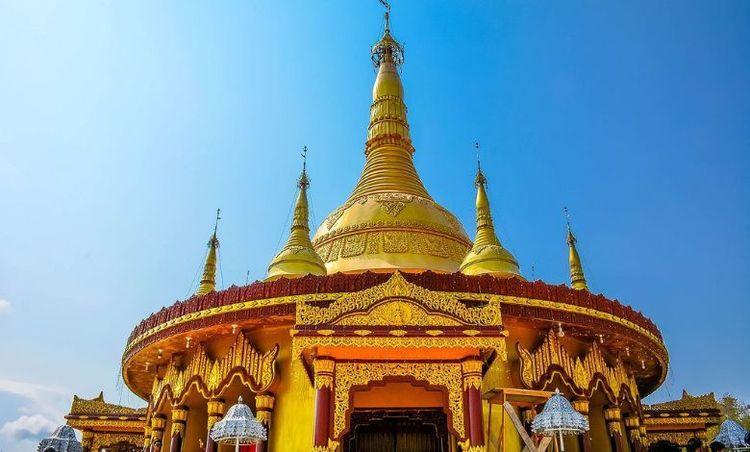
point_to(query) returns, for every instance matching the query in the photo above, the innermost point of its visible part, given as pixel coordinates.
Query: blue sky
(124, 125)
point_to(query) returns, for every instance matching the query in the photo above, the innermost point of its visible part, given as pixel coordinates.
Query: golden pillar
(613, 416)
(215, 410)
(147, 436)
(158, 423)
(472, 383)
(584, 439)
(87, 440)
(632, 425)
(323, 374)
(179, 419)
(264, 412)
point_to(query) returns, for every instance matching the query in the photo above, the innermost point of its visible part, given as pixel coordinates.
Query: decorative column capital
(612, 414)
(179, 419)
(264, 408)
(323, 370)
(158, 423)
(472, 373)
(215, 410)
(581, 405)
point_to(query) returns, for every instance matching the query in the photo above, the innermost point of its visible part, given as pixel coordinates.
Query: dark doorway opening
(397, 431)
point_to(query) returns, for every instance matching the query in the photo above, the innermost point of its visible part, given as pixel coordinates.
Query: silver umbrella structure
(239, 427)
(558, 418)
(733, 436)
(63, 439)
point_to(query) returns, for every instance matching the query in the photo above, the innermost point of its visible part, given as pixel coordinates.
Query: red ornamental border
(341, 282)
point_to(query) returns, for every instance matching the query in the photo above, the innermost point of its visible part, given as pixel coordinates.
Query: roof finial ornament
(480, 179)
(577, 277)
(387, 6)
(208, 281)
(387, 49)
(304, 181)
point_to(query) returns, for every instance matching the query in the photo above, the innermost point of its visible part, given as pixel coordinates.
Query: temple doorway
(423, 430)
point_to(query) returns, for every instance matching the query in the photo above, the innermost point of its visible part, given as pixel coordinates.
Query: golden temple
(390, 329)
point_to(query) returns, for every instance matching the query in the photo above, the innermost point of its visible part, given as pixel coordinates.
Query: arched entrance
(415, 430)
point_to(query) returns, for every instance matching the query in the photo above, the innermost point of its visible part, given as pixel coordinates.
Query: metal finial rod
(218, 217)
(567, 216)
(479, 160)
(304, 158)
(303, 182)
(387, 6)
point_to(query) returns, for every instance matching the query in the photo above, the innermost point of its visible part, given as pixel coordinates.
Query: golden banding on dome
(390, 221)
(298, 258)
(487, 255)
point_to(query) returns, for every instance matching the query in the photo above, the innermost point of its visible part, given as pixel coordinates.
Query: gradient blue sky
(124, 125)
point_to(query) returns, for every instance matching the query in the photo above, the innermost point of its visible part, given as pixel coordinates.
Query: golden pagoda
(389, 327)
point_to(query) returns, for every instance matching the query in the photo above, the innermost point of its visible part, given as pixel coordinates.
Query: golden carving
(212, 375)
(351, 374)
(104, 440)
(398, 288)
(483, 343)
(536, 372)
(323, 370)
(397, 313)
(677, 437)
(472, 374)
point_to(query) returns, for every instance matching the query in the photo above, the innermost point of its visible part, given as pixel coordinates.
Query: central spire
(390, 222)
(389, 165)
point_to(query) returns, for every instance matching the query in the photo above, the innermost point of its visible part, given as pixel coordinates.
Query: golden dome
(488, 255)
(390, 221)
(298, 258)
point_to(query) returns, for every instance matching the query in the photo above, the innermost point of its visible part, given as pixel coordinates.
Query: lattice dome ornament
(63, 439)
(733, 436)
(559, 418)
(238, 427)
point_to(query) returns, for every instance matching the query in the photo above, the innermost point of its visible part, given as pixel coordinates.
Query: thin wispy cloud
(4, 306)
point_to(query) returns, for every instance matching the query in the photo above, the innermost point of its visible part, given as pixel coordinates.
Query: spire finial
(480, 179)
(208, 281)
(303, 181)
(577, 277)
(387, 6)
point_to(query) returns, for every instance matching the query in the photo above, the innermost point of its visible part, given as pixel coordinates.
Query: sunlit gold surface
(389, 220)
(577, 278)
(487, 255)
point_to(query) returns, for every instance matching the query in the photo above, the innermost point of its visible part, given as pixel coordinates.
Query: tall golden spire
(389, 166)
(298, 258)
(390, 222)
(487, 255)
(577, 278)
(208, 281)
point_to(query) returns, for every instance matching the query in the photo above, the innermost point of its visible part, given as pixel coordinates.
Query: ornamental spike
(577, 277)
(208, 280)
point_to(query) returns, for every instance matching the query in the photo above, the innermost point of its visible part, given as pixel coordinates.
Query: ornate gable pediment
(397, 302)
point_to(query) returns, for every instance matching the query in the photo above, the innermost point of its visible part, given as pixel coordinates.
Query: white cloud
(33, 428)
(4, 306)
(41, 409)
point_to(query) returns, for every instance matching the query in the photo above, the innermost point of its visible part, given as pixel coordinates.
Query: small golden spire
(487, 255)
(298, 258)
(577, 278)
(208, 281)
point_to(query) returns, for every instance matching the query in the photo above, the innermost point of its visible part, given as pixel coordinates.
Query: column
(264, 412)
(703, 436)
(632, 425)
(613, 416)
(158, 422)
(146, 436)
(179, 418)
(215, 411)
(584, 439)
(644, 437)
(87, 440)
(323, 375)
(472, 379)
